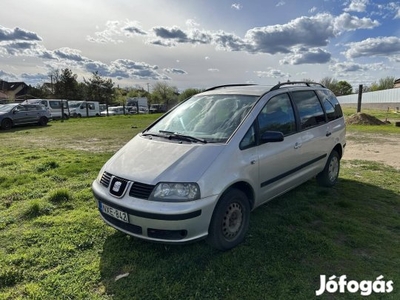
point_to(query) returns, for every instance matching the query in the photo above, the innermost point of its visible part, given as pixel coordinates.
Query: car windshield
(74, 104)
(7, 107)
(212, 118)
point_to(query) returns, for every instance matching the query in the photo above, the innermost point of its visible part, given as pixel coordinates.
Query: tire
(43, 121)
(6, 124)
(230, 220)
(329, 176)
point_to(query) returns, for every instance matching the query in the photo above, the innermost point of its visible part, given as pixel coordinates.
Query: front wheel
(329, 176)
(230, 220)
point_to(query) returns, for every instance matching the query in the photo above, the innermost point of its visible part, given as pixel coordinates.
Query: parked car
(57, 107)
(199, 170)
(113, 110)
(81, 108)
(14, 114)
(157, 108)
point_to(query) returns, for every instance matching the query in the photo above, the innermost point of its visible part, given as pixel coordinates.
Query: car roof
(259, 90)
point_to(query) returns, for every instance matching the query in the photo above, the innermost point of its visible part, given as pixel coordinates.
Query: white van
(199, 170)
(84, 108)
(53, 105)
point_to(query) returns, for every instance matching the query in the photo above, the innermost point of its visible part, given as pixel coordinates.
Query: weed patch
(46, 166)
(60, 195)
(37, 208)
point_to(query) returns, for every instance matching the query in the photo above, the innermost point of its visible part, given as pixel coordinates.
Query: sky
(200, 43)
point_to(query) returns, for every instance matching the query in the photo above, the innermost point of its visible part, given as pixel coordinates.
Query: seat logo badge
(117, 186)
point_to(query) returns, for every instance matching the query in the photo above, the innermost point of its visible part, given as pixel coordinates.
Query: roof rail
(228, 85)
(306, 83)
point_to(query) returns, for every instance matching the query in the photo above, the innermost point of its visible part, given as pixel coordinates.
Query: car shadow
(292, 240)
(23, 128)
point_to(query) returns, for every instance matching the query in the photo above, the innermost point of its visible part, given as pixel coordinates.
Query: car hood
(152, 160)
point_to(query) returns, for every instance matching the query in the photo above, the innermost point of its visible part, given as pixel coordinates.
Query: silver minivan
(199, 170)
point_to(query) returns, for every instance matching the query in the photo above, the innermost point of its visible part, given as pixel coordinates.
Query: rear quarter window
(331, 104)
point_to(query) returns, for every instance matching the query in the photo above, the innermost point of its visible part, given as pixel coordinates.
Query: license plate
(115, 213)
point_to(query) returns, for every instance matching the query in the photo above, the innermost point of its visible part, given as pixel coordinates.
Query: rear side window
(55, 104)
(310, 109)
(331, 104)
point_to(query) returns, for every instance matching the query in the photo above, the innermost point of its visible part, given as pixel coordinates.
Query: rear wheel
(329, 176)
(6, 124)
(43, 121)
(230, 220)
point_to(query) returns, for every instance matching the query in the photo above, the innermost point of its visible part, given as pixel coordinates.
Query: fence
(385, 96)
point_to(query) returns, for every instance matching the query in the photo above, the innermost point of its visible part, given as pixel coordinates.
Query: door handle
(297, 145)
(328, 133)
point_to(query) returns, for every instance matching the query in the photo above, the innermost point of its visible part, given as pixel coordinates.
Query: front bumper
(167, 222)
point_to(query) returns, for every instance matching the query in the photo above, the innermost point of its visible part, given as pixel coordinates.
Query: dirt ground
(381, 148)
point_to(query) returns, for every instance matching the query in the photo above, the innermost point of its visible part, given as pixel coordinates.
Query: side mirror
(272, 137)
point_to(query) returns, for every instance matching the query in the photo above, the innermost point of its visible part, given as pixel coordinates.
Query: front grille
(105, 179)
(141, 190)
(138, 189)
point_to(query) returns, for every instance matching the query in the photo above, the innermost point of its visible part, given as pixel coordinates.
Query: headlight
(175, 192)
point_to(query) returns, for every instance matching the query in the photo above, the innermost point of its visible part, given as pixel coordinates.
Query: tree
(330, 83)
(164, 93)
(383, 84)
(38, 92)
(386, 83)
(344, 88)
(99, 89)
(65, 84)
(188, 93)
(339, 88)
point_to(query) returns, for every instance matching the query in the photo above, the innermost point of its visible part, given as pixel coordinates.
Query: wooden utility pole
(360, 90)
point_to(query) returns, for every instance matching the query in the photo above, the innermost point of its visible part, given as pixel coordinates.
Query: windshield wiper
(180, 136)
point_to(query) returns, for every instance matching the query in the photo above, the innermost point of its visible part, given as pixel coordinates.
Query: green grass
(55, 246)
(377, 113)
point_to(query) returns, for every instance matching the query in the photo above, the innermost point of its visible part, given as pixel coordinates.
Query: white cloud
(116, 29)
(307, 56)
(272, 73)
(17, 34)
(192, 23)
(174, 71)
(348, 22)
(304, 31)
(280, 3)
(312, 10)
(213, 70)
(357, 5)
(237, 6)
(7, 75)
(381, 46)
(397, 16)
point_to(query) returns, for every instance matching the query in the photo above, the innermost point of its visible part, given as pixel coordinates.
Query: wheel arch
(339, 149)
(246, 188)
